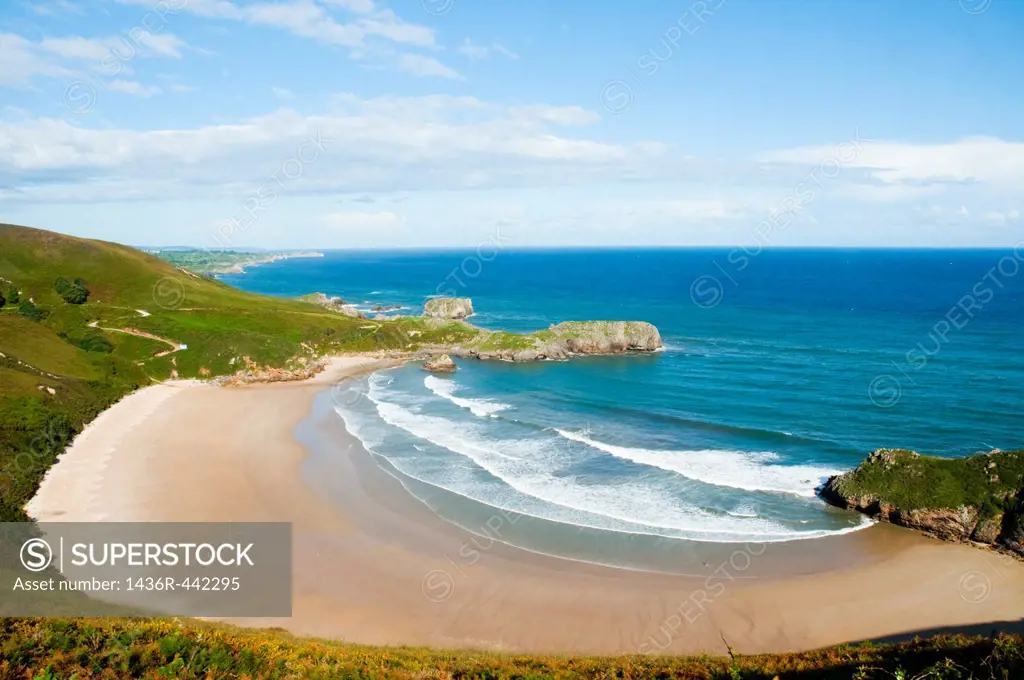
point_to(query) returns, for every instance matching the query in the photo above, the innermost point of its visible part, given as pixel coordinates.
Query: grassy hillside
(143, 320)
(82, 648)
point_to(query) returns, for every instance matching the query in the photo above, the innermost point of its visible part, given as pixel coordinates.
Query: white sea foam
(445, 388)
(532, 475)
(734, 469)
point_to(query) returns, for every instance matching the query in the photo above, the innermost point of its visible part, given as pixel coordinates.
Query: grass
(91, 648)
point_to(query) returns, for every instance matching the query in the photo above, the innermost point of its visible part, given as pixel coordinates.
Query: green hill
(142, 320)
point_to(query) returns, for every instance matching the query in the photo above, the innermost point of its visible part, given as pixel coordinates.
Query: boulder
(448, 308)
(439, 364)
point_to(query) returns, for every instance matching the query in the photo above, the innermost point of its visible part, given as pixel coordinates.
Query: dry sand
(373, 565)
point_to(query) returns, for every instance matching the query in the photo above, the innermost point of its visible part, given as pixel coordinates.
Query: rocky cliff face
(448, 308)
(978, 499)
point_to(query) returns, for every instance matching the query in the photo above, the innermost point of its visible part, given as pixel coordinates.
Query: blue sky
(373, 123)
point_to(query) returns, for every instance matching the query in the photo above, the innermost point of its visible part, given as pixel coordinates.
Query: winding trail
(175, 346)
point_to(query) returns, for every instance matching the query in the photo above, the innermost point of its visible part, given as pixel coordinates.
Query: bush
(91, 340)
(13, 296)
(29, 310)
(75, 293)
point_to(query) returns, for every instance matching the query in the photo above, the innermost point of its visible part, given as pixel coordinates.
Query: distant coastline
(239, 267)
(219, 262)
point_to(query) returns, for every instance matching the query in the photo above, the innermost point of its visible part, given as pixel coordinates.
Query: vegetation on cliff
(979, 498)
(84, 648)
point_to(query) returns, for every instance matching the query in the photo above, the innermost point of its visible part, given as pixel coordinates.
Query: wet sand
(373, 565)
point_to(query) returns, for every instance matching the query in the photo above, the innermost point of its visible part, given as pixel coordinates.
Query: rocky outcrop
(335, 304)
(439, 364)
(448, 308)
(978, 499)
(253, 373)
(561, 341)
(603, 337)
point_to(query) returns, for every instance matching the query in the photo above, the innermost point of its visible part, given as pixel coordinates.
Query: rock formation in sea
(439, 364)
(978, 499)
(335, 304)
(448, 308)
(561, 341)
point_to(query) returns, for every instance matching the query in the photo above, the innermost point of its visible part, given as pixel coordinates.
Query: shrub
(29, 310)
(90, 340)
(13, 296)
(75, 293)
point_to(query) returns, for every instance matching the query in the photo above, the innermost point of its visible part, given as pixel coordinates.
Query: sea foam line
(445, 389)
(530, 468)
(733, 469)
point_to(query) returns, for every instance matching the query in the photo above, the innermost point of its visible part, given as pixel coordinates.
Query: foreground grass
(116, 648)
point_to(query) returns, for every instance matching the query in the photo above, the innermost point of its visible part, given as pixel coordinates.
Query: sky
(451, 123)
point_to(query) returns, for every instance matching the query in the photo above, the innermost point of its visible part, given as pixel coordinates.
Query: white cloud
(79, 48)
(20, 62)
(1002, 217)
(310, 20)
(473, 51)
(982, 159)
(423, 67)
(134, 88)
(345, 221)
(54, 8)
(373, 145)
(283, 93)
(359, 6)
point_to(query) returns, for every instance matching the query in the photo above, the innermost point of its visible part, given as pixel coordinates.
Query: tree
(73, 293)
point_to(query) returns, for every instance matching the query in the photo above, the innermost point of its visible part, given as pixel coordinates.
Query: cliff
(448, 308)
(978, 499)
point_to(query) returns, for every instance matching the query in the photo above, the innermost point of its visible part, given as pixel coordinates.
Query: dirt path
(175, 346)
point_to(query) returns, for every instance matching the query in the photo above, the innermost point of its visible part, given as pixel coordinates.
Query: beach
(373, 565)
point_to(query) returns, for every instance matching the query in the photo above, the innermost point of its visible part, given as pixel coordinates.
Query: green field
(90, 648)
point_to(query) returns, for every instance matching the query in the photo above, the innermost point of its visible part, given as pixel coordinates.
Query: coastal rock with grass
(439, 364)
(335, 304)
(448, 308)
(559, 342)
(978, 499)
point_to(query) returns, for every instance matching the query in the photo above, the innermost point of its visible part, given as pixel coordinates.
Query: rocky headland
(978, 499)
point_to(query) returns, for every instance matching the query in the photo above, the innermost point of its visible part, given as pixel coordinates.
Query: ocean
(780, 368)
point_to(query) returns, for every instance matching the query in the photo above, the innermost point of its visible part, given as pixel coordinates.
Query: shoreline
(374, 565)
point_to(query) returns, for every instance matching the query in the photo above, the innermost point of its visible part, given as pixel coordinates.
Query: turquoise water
(780, 368)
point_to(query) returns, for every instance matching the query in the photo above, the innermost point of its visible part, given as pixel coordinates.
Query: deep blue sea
(780, 368)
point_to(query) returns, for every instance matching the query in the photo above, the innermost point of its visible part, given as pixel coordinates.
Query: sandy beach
(373, 565)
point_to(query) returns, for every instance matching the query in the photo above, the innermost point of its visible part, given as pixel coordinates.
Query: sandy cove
(373, 565)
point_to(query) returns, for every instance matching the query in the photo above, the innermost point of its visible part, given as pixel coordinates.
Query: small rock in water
(441, 364)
